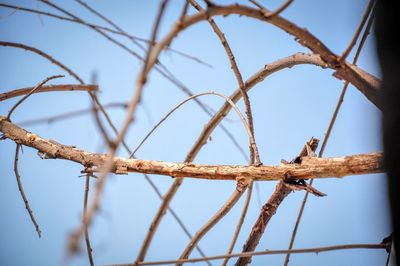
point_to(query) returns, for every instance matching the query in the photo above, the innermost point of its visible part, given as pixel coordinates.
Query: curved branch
(334, 116)
(43, 54)
(363, 81)
(118, 31)
(228, 100)
(254, 155)
(30, 92)
(129, 118)
(222, 212)
(288, 62)
(268, 14)
(95, 99)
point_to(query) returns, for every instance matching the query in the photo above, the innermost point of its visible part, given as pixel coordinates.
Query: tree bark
(311, 167)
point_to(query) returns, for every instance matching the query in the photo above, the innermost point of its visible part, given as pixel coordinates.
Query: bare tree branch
(310, 167)
(50, 88)
(282, 189)
(333, 120)
(228, 100)
(235, 196)
(29, 93)
(254, 155)
(158, 66)
(21, 191)
(85, 229)
(225, 209)
(365, 82)
(43, 54)
(130, 117)
(269, 69)
(265, 252)
(240, 222)
(62, 116)
(291, 176)
(118, 30)
(99, 105)
(276, 12)
(350, 47)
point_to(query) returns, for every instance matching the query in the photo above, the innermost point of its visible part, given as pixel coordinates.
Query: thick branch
(309, 168)
(268, 210)
(363, 81)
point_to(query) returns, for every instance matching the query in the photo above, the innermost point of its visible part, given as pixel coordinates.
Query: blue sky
(289, 107)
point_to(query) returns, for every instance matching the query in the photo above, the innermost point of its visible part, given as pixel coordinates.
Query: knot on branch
(242, 183)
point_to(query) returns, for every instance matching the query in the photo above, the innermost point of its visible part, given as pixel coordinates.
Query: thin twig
(276, 12)
(254, 155)
(10, 14)
(184, 11)
(211, 223)
(366, 83)
(208, 129)
(31, 92)
(222, 212)
(86, 231)
(118, 31)
(35, 11)
(163, 70)
(136, 39)
(282, 190)
(269, 69)
(43, 54)
(240, 223)
(88, 216)
(100, 126)
(64, 87)
(350, 47)
(241, 187)
(67, 115)
(108, 119)
(329, 129)
(21, 190)
(158, 67)
(227, 99)
(263, 252)
(105, 35)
